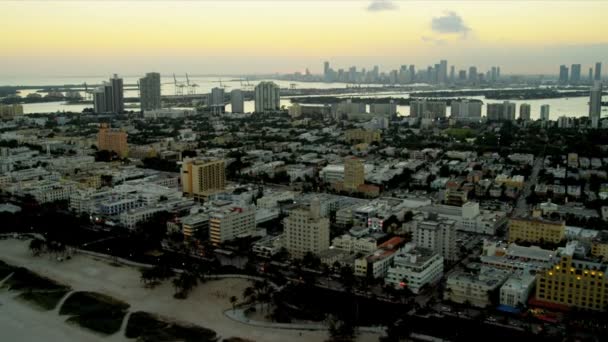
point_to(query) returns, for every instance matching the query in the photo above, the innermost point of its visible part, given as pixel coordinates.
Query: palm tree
(233, 301)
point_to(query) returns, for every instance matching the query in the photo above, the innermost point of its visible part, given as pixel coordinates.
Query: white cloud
(449, 23)
(382, 5)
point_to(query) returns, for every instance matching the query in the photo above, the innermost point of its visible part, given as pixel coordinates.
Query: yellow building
(359, 135)
(9, 111)
(201, 178)
(536, 229)
(574, 283)
(112, 140)
(354, 173)
(599, 246)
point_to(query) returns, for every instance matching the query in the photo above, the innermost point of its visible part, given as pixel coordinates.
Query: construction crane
(179, 87)
(88, 94)
(191, 86)
(222, 85)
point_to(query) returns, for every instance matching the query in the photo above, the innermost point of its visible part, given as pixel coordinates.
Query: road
(521, 208)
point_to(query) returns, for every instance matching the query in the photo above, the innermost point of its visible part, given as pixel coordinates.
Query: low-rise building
(414, 268)
(475, 289)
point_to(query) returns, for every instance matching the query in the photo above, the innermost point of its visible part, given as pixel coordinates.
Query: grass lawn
(26, 280)
(460, 133)
(5, 270)
(148, 327)
(43, 300)
(94, 311)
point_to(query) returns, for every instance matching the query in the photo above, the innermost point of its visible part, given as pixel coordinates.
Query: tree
(340, 330)
(233, 301)
(36, 246)
(183, 284)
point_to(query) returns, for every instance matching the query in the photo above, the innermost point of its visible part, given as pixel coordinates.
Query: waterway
(571, 107)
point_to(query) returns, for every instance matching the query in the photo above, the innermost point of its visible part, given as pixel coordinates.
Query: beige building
(110, 139)
(229, 222)
(354, 174)
(536, 229)
(359, 135)
(201, 178)
(306, 231)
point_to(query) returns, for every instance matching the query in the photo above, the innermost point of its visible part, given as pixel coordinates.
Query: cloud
(382, 5)
(449, 23)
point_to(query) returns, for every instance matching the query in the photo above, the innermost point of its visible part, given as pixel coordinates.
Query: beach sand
(204, 306)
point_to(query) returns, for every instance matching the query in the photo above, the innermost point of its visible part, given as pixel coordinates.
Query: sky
(82, 37)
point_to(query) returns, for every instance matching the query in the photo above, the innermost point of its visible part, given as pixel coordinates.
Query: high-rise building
(501, 111)
(118, 102)
(590, 78)
(102, 99)
(466, 110)
(493, 74)
(267, 97)
(462, 76)
(524, 111)
(473, 78)
(237, 101)
(595, 104)
(442, 71)
(438, 235)
(575, 73)
(452, 74)
(354, 173)
(229, 222)
(109, 139)
(544, 112)
(598, 71)
(149, 89)
(10, 111)
(201, 178)
(216, 100)
(306, 231)
(563, 74)
(427, 109)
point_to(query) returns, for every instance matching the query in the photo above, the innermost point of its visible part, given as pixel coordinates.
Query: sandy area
(204, 306)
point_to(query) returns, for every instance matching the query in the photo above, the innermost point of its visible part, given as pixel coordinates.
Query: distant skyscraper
(149, 89)
(118, 102)
(590, 79)
(524, 111)
(493, 74)
(595, 104)
(473, 74)
(598, 71)
(413, 72)
(498, 73)
(237, 101)
(267, 97)
(216, 100)
(544, 112)
(575, 73)
(442, 73)
(563, 74)
(462, 75)
(452, 74)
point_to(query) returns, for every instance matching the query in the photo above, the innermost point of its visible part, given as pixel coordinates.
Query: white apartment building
(516, 290)
(464, 287)
(270, 200)
(231, 221)
(306, 230)
(130, 219)
(351, 244)
(415, 267)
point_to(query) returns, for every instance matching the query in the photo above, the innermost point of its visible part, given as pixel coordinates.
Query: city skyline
(240, 37)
